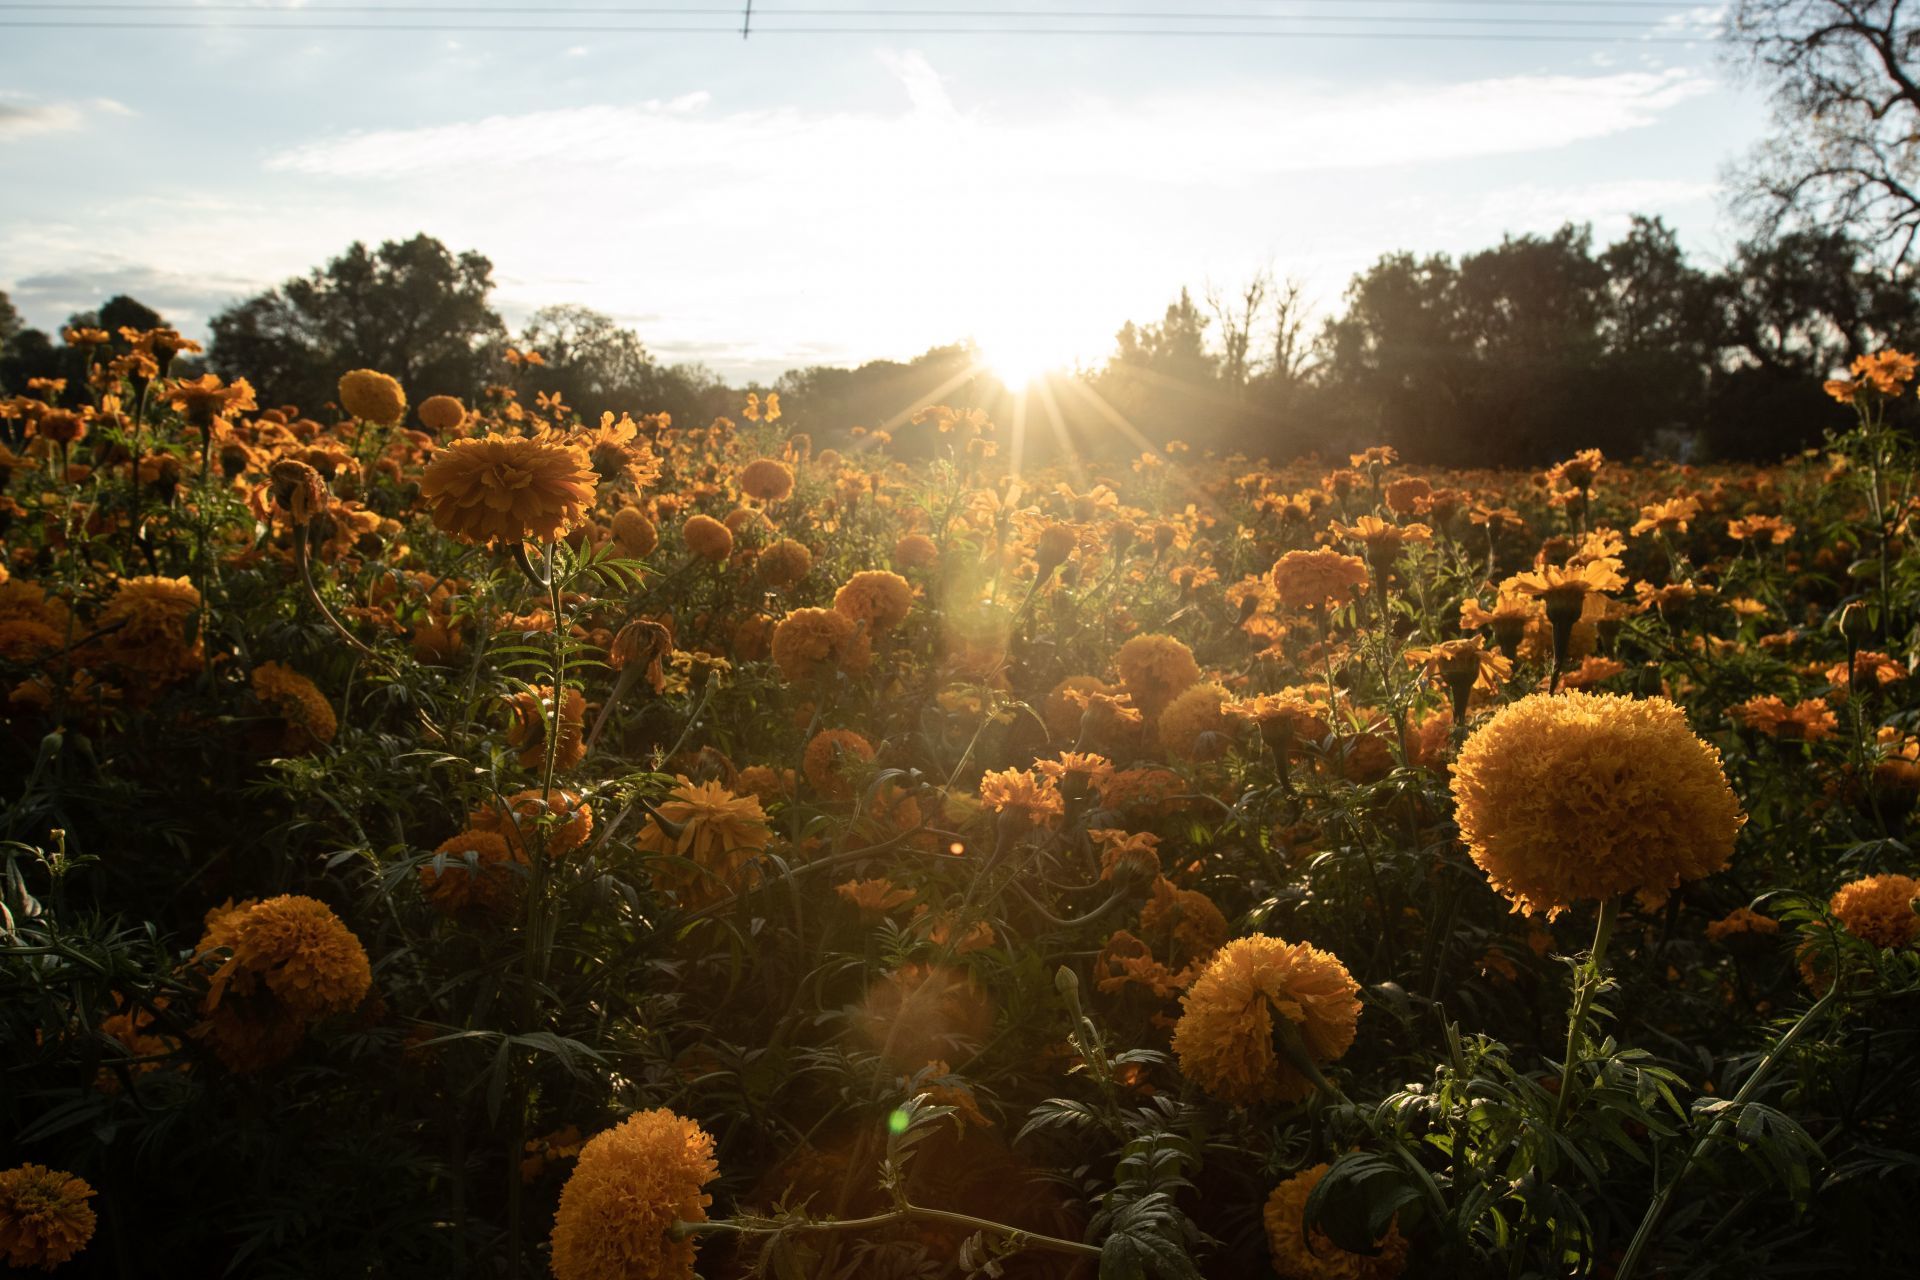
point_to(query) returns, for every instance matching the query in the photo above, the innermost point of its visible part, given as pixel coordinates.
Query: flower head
(630, 1185)
(1302, 1255)
(878, 597)
(1879, 909)
(292, 697)
(1224, 1038)
(1316, 579)
(372, 397)
(813, 642)
(1155, 669)
(1588, 796)
(719, 832)
(508, 488)
(44, 1216)
(294, 948)
(767, 479)
(152, 627)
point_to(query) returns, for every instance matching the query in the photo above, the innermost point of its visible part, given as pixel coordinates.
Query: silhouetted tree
(1844, 76)
(410, 308)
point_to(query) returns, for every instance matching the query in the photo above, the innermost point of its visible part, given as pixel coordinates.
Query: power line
(580, 29)
(1107, 15)
(1674, 8)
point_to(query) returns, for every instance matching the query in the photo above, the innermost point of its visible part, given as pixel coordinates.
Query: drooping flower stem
(1587, 981)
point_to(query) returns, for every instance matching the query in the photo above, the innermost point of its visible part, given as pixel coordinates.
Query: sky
(920, 175)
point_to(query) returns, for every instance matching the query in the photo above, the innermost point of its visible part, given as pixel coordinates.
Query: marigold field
(458, 839)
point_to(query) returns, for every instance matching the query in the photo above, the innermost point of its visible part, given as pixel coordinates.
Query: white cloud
(1171, 137)
(22, 116)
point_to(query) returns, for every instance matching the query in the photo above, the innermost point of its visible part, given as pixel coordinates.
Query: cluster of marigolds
(1106, 664)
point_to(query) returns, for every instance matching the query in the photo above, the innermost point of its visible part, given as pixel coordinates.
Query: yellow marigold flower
(1224, 1038)
(630, 1185)
(478, 876)
(707, 538)
(372, 397)
(442, 414)
(1316, 579)
(44, 1216)
(811, 642)
(298, 489)
(719, 832)
(878, 597)
(1382, 539)
(634, 532)
(826, 758)
(767, 479)
(294, 948)
(874, 897)
(1670, 516)
(1154, 669)
(1466, 661)
(1588, 796)
(293, 698)
(1302, 1255)
(508, 488)
(1020, 791)
(1194, 725)
(532, 713)
(1404, 495)
(1871, 670)
(1879, 909)
(153, 631)
(1577, 472)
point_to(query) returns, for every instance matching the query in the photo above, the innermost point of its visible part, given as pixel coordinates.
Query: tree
(1845, 81)
(411, 309)
(10, 321)
(598, 367)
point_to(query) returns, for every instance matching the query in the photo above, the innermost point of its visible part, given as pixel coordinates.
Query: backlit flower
(628, 1188)
(1879, 909)
(372, 397)
(508, 488)
(717, 831)
(1302, 1255)
(1586, 796)
(1224, 1038)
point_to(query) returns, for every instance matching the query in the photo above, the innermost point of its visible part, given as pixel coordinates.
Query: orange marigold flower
(719, 832)
(630, 1185)
(1668, 516)
(707, 538)
(878, 597)
(783, 564)
(1224, 1038)
(1741, 921)
(1299, 1254)
(508, 488)
(1186, 922)
(372, 397)
(565, 818)
(915, 551)
(812, 642)
(1760, 528)
(533, 711)
(1316, 579)
(634, 532)
(291, 947)
(442, 414)
(1020, 791)
(1879, 909)
(1382, 539)
(826, 759)
(874, 897)
(295, 699)
(767, 479)
(1871, 670)
(203, 399)
(1134, 855)
(1588, 796)
(1809, 720)
(1194, 725)
(476, 874)
(44, 1216)
(153, 631)
(1154, 669)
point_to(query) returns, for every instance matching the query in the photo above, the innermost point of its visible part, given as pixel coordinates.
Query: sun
(1021, 355)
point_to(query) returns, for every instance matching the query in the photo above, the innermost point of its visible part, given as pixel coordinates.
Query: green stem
(1643, 1236)
(906, 1213)
(1591, 973)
